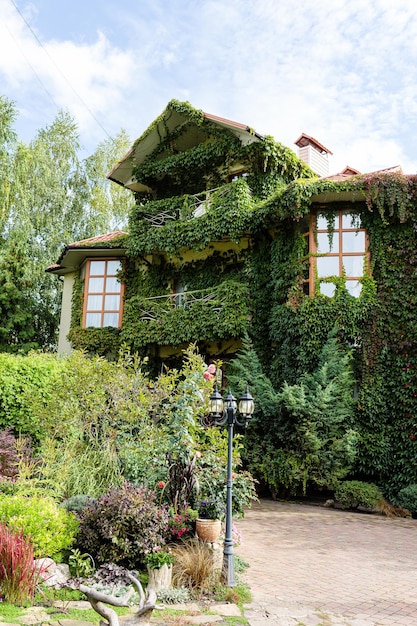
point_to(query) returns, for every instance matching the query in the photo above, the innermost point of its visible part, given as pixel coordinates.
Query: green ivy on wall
(258, 291)
(209, 314)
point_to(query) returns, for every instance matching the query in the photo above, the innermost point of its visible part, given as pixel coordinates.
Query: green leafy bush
(81, 565)
(212, 476)
(407, 498)
(354, 493)
(123, 526)
(18, 573)
(155, 560)
(174, 595)
(25, 380)
(49, 527)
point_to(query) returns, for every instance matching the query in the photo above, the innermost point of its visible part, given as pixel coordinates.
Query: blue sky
(342, 71)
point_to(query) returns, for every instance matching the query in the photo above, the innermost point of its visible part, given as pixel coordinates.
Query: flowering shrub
(181, 525)
(123, 526)
(209, 373)
(210, 509)
(236, 535)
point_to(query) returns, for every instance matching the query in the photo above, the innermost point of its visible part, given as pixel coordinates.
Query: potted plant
(159, 564)
(208, 523)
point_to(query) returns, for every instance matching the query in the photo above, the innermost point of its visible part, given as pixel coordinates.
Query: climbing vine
(254, 285)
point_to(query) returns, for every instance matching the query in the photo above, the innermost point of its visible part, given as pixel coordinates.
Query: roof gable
(178, 116)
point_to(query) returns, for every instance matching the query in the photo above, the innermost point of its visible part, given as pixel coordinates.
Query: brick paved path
(312, 566)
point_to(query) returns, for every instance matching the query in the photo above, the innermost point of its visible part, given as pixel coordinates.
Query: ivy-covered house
(234, 237)
(200, 183)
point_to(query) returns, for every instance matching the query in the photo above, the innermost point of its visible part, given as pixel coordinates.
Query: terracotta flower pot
(208, 530)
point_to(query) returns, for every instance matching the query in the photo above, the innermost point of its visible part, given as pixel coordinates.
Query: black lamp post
(224, 412)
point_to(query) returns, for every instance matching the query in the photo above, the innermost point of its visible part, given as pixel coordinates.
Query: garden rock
(53, 574)
(35, 615)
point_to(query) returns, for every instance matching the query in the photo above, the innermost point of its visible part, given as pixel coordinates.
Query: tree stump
(160, 578)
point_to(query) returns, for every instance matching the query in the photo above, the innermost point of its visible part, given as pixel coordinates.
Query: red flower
(161, 484)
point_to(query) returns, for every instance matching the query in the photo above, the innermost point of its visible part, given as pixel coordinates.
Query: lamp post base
(229, 570)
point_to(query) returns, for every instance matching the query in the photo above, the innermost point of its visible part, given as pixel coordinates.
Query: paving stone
(203, 620)
(314, 566)
(34, 615)
(71, 622)
(226, 609)
(81, 605)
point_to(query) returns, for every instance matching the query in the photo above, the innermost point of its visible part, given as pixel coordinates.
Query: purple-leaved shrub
(123, 526)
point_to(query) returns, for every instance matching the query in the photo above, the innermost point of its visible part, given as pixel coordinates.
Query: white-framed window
(103, 293)
(337, 247)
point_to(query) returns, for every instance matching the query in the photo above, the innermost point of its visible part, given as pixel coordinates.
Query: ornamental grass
(18, 573)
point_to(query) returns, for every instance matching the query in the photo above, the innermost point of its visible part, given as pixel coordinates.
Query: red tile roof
(99, 239)
(90, 243)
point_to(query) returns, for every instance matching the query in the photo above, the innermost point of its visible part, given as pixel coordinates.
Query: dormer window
(337, 246)
(102, 293)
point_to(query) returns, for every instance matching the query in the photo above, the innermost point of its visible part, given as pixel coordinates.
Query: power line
(48, 93)
(57, 68)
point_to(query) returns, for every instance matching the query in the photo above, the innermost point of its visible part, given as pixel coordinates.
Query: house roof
(352, 195)
(348, 172)
(351, 171)
(172, 117)
(74, 253)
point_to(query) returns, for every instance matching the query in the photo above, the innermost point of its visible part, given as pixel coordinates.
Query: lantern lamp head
(246, 405)
(216, 403)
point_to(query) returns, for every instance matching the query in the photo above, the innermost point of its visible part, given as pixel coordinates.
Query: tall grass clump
(194, 567)
(18, 574)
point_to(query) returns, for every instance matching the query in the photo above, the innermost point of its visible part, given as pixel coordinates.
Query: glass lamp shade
(230, 401)
(216, 403)
(246, 404)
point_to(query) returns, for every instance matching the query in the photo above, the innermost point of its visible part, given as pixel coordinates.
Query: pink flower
(211, 369)
(198, 454)
(207, 375)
